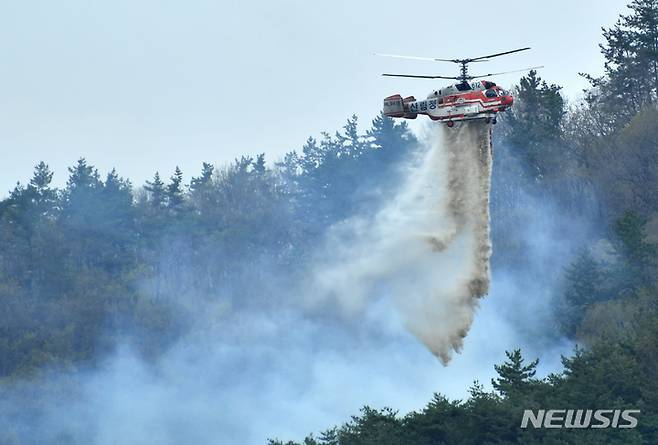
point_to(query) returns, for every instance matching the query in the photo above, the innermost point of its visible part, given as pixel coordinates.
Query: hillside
(101, 262)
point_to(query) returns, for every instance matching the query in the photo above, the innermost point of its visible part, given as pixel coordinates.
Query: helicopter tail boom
(396, 106)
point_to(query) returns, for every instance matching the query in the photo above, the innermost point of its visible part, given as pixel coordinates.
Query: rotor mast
(464, 71)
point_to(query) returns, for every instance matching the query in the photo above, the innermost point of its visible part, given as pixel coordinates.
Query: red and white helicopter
(480, 99)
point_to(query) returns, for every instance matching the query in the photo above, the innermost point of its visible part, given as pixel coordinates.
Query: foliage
(95, 262)
(98, 261)
(535, 123)
(609, 376)
(631, 67)
(595, 161)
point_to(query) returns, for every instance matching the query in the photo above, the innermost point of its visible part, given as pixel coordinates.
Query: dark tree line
(98, 260)
(83, 266)
(494, 417)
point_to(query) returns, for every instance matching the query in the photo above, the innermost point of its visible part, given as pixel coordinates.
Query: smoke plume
(428, 249)
(243, 374)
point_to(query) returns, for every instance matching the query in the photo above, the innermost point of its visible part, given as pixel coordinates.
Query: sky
(147, 86)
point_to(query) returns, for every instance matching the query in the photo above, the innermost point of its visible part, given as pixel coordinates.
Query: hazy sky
(148, 85)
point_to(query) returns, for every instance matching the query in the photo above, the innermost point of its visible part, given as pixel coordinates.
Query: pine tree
(197, 184)
(329, 437)
(312, 156)
(537, 116)
(116, 186)
(373, 427)
(534, 125)
(390, 137)
(42, 177)
(202, 196)
(83, 176)
(640, 256)
(584, 282)
(350, 142)
(42, 195)
(487, 408)
(175, 190)
(117, 204)
(631, 53)
(514, 375)
(156, 192)
(258, 165)
(631, 66)
(81, 197)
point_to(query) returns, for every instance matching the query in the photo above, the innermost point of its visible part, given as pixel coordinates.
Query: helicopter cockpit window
(490, 93)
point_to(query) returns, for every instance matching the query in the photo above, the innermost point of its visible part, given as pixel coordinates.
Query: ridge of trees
(98, 260)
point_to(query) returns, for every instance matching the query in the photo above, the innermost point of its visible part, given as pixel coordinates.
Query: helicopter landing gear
(487, 120)
(494, 121)
(450, 124)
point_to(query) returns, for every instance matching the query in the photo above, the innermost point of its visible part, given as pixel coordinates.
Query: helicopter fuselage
(458, 102)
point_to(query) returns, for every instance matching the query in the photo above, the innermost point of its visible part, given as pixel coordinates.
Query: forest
(100, 261)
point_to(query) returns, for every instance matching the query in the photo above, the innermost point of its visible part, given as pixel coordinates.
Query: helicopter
(469, 99)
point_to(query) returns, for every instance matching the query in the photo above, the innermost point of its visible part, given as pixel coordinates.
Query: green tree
(202, 194)
(538, 112)
(639, 256)
(201, 182)
(117, 198)
(174, 192)
(156, 192)
(440, 422)
(390, 137)
(631, 66)
(514, 376)
(81, 193)
(622, 167)
(534, 125)
(373, 427)
(82, 204)
(583, 287)
(488, 420)
(44, 195)
(258, 164)
(329, 437)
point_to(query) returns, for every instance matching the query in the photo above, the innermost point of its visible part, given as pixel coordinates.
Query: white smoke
(428, 249)
(245, 375)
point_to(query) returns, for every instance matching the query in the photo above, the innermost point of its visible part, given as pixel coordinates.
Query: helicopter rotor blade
(506, 72)
(410, 57)
(431, 59)
(475, 59)
(458, 60)
(421, 77)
